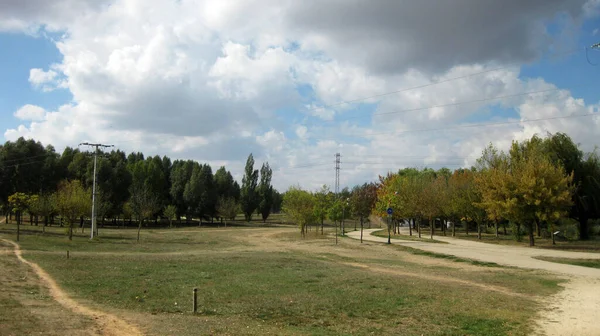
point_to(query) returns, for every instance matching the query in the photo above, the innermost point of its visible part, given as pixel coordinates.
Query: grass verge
(593, 263)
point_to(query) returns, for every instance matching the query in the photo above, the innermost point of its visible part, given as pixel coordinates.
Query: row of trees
(307, 208)
(130, 185)
(532, 186)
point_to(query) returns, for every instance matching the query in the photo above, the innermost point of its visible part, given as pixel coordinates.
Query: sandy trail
(573, 311)
(109, 324)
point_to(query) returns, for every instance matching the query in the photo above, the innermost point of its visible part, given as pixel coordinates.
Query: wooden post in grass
(195, 304)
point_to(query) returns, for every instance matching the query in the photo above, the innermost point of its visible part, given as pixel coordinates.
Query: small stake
(67, 254)
(195, 305)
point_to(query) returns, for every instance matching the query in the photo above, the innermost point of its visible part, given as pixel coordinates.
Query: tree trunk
(444, 226)
(336, 231)
(322, 220)
(504, 227)
(432, 227)
(538, 228)
(71, 231)
(45, 224)
(171, 223)
(419, 227)
(18, 226)
(140, 223)
(467, 227)
(478, 230)
(411, 222)
(355, 224)
(531, 240)
(30, 219)
(453, 228)
(389, 231)
(496, 224)
(361, 229)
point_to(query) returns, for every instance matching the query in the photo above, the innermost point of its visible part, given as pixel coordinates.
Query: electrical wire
(468, 126)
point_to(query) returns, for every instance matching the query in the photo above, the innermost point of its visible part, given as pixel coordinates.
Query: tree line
(36, 180)
(530, 188)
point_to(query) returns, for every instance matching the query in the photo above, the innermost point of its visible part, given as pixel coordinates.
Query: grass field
(594, 263)
(270, 281)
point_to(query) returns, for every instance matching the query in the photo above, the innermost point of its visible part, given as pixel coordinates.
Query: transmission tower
(337, 186)
(96, 146)
(337, 174)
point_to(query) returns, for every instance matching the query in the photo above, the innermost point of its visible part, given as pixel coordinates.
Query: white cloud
(30, 113)
(217, 80)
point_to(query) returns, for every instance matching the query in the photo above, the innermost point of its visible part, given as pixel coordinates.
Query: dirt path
(109, 324)
(573, 311)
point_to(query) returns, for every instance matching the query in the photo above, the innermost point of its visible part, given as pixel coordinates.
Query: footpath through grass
(244, 288)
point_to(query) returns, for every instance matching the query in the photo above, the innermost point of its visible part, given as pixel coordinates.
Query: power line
(26, 158)
(23, 164)
(470, 126)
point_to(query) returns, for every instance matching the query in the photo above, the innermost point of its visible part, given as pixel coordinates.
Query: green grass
(593, 263)
(384, 233)
(245, 289)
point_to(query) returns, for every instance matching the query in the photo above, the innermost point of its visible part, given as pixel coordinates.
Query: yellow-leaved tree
(72, 201)
(528, 188)
(299, 205)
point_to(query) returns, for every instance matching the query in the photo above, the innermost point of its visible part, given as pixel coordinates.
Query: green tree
(277, 201)
(227, 208)
(323, 201)
(72, 201)
(586, 178)
(144, 204)
(192, 192)
(248, 195)
(170, 212)
(298, 205)
(362, 201)
(19, 202)
(46, 208)
(181, 173)
(265, 191)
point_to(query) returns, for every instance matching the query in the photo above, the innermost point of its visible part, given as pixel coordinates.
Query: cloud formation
(216, 80)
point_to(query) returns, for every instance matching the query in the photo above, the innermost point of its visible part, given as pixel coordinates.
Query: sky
(387, 84)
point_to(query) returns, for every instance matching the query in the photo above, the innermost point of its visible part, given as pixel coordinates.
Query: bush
(594, 227)
(569, 228)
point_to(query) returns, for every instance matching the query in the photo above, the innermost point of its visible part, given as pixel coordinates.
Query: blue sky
(21, 53)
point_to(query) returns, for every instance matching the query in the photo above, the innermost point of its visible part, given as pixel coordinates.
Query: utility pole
(96, 146)
(337, 186)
